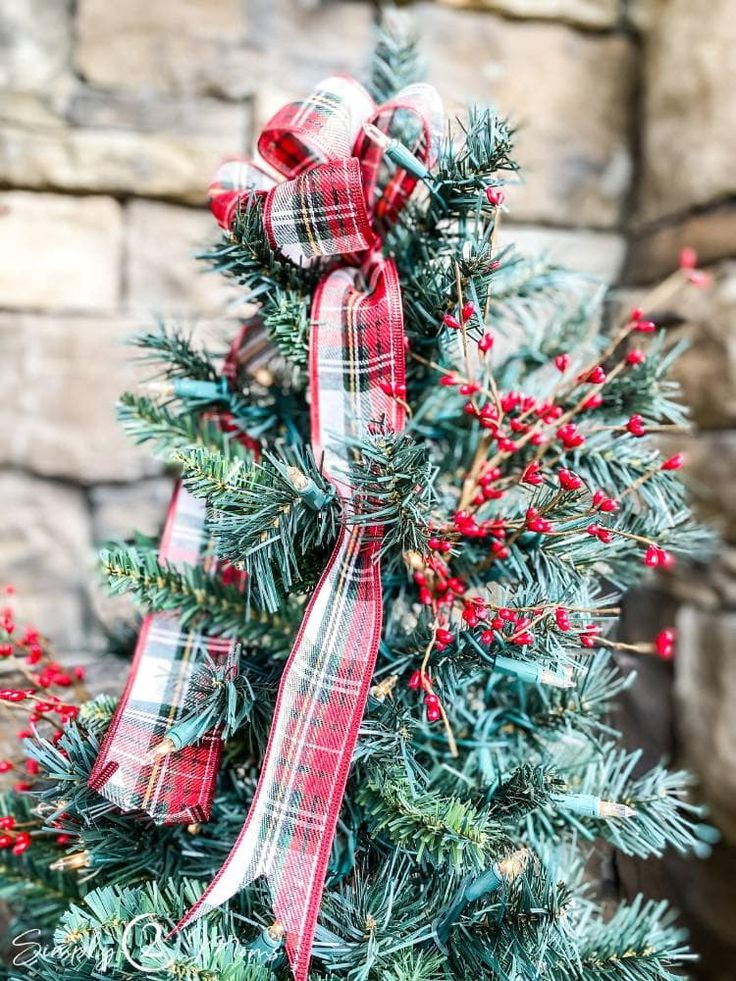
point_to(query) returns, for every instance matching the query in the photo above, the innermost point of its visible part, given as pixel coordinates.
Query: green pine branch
(174, 353)
(197, 597)
(275, 518)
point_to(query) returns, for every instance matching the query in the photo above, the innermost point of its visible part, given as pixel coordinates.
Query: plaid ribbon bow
(176, 788)
(336, 200)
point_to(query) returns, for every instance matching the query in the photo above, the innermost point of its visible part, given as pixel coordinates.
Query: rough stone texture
(291, 44)
(170, 280)
(600, 254)
(119, 143)
(689, 109)
(709, 471)
(59, 253)
(575, 151)
(707, 371)
(46, 553)
(35, 44)
(150, 44)
(57, 414)
(587, 13)
(707, 723)
(118, 510)
(655, 252)
(220, 47)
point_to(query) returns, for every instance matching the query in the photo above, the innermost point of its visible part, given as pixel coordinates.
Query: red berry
(22, 842)
(486, 343)
(674, 462)
(588, 637)
(415, 680)
(570, 436)
(688, 258)
(569, 480)
(510, 400)
(635, 425)
(563, 619)
(596, 376)
(13, 695)
(664, 643)
(523, 639)
(431, 700)
(594, 401)
(470, 616)
(653, 557)
(452, 322)
(448, 381)
(5, 841)
(635, 356)
(645, 326)
(7, 822)
(433, 714)
(562, 362)
(469, 388)
(494, 196)
(603, 503)
(531, 474)
(468, 310)
(445, 636)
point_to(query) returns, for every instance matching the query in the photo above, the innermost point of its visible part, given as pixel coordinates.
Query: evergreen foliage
(464, 835)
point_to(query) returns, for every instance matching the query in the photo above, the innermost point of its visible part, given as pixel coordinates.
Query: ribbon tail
(291, 823)
(177, 788)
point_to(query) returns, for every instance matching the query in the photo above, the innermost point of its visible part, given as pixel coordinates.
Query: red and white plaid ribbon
(176, 788)
(336, 201)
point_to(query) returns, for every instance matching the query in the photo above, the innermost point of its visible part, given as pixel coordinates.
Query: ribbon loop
(235, 180)
(321, 213)
(415, 117)
(315, 130)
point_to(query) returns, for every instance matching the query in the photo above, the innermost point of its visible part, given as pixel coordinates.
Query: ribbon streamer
(336, 201)
(176, 788)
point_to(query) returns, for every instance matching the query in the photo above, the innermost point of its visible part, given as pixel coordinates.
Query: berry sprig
(29, 654)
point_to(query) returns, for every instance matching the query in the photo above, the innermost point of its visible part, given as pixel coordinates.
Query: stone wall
(112, 119)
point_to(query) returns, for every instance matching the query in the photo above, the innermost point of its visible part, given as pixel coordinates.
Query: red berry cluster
(38, 704)
(554, 425)
(431, 701)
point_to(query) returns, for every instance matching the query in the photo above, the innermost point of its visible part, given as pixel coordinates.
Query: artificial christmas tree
(410, 501)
